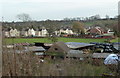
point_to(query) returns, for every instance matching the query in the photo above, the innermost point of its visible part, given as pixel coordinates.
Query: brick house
(95, 31)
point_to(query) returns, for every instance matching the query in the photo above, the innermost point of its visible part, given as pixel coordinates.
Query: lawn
(46, 40)
(116, 40)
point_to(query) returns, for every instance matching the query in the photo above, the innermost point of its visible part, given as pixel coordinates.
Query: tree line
(77, 24)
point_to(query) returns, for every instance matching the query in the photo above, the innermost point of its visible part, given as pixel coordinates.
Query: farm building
(59, 47)
(46, 46)
(71, 49)
(99, 57)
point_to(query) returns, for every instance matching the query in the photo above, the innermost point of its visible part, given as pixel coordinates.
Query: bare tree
(24, 17)
(107, 17)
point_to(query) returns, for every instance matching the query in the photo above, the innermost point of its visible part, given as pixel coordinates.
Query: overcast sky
(57, 9)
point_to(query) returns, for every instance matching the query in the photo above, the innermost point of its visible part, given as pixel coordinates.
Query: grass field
(116, 40)
(46, 40)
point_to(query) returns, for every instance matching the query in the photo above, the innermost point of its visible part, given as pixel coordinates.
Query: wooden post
(119, 66)
(118, 39)
(0, 49)
(118, 69)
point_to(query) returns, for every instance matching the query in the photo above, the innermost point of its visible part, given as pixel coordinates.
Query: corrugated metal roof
(34, 48)
(100, 55)
(46, 44)
(75, 53)
(78, 45)
(39, 53)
